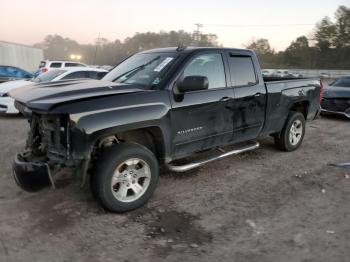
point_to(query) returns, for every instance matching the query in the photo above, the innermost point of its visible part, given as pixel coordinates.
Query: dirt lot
(265, 205)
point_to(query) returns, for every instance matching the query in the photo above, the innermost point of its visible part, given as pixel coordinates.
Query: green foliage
(331, 49)
(326, 34)
(342, 24)
(104, 52)
(261, 46)
(266, 54)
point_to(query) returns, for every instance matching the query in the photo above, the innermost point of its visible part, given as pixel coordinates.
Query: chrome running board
(190, 166)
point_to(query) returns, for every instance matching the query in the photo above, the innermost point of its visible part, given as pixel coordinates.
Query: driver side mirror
(192, 83)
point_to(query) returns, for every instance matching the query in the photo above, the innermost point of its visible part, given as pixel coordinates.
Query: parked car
(9, 73)
(153, 109)
(336, 98)
(7, 103)
(324, 75)
(296, 75)
(267, 73)
(48, 65)
(281, 73)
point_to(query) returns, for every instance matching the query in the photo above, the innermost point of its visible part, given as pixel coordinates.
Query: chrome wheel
(131, 180)
(296, 132)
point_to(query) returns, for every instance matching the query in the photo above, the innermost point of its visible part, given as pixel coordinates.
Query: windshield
(48, 76)
(142, 69)
(343, 82)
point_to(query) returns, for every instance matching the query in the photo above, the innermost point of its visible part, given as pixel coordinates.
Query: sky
(29, 21)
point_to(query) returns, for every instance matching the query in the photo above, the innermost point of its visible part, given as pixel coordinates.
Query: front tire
(292, 134)
(125, 177)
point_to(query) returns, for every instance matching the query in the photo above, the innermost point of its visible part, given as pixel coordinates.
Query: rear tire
(292, 134)
(125, 177)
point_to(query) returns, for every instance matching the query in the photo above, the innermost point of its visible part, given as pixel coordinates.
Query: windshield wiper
(136, 69)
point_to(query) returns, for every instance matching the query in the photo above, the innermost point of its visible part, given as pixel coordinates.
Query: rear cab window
(242, 70)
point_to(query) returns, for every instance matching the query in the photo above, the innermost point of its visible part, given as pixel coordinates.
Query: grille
(54, 136)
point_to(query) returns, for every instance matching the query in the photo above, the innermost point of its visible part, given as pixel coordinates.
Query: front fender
(119, 118)
(125, 115)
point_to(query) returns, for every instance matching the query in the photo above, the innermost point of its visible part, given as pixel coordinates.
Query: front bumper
(31, 176)
(7, 106)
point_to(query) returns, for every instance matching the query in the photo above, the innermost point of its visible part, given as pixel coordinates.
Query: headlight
(3, 94)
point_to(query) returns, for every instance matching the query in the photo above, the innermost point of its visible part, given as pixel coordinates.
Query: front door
(203, 119)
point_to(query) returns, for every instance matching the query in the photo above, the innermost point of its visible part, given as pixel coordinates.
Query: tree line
(327, 48)
(104, 52)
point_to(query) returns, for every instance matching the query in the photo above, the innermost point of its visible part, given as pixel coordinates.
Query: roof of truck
(190, 49)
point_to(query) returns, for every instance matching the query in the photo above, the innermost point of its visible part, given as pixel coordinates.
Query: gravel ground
(264, 205)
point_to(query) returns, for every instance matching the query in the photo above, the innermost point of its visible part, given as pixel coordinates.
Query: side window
(91, 74)
(14, 72)
(20, 73)
(100, 75)
(71, 64)
(75, 75)
(242, 71)
(209, 65)
(56, 65)
(3, 71)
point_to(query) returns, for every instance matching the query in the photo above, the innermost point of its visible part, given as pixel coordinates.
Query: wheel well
(302, 107)
(150, 137)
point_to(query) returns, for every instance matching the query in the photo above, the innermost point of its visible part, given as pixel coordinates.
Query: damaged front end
(47, 151)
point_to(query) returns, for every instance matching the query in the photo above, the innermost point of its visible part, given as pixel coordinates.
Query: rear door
(250, 95)
(203, 119)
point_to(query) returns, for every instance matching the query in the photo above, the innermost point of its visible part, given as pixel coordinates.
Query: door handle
(225, 99)
(258, 94)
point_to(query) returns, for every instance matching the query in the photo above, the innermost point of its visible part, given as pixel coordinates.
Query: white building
(22, 56)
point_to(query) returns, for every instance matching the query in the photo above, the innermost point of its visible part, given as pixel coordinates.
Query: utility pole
(197, 32)
(97, 44)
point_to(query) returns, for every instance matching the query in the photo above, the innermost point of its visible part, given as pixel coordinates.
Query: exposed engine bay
(47, 150)
(49, 139)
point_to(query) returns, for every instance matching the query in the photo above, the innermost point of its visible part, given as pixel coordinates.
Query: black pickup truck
(157, 108)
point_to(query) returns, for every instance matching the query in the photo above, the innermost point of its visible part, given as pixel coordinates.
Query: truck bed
(283, 92)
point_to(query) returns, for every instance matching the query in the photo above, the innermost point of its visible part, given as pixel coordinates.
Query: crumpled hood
(336, 92)
(43, 96)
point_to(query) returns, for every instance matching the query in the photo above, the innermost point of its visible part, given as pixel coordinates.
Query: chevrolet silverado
(158, 108)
